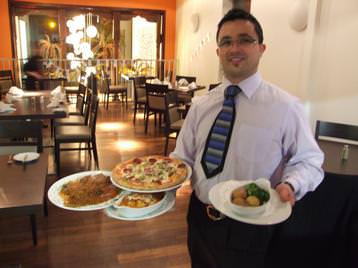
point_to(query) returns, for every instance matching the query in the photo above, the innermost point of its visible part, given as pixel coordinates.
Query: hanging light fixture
(81, 31)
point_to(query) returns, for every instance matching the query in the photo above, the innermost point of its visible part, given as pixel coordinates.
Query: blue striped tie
(218, 140)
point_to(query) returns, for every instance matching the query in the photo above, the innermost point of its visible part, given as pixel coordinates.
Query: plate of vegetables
(253, 202)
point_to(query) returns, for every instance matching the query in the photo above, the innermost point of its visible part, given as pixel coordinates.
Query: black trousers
(224, 243)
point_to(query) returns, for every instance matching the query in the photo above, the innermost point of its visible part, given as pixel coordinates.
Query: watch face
(195, 20)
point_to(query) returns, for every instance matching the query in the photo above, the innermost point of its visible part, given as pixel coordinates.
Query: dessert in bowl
(250, 199)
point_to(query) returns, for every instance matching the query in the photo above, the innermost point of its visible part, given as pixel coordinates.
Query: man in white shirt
(270, 138)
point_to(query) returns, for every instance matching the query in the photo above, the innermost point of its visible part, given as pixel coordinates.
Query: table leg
(33, 229)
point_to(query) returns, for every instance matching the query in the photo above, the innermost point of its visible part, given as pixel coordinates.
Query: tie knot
(232, 91)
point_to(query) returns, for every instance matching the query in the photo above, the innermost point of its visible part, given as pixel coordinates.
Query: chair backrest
(80, 100)
(139, 87)
(87, 104)
(20, 136)
(92, 83)
(156, 88)
(173, 115)
(211, 86)
(6, 81)
(156, 97)
(187, 78)
(106, 83)
(93, 114)
(336, 130)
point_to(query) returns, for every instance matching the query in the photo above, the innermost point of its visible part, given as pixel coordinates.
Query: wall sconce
(195, 22)
(299, 15)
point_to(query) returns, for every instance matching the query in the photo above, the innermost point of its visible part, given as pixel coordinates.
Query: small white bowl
(137, 212)
(248, 210)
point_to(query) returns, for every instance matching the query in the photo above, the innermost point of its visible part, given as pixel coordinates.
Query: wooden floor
(91, 239)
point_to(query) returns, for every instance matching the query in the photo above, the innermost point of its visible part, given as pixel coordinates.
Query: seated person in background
(34, 71)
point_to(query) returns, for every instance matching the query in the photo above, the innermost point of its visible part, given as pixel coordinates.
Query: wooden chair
(6, 81)
(18, 136)
(336, 130)
(78, 134)
(80, 100)
(78, 119)
(157, 102)
(140, 98)
(173, 124)
(185, 97)
(114, 90)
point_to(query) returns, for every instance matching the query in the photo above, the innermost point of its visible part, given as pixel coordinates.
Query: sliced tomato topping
(137, 160)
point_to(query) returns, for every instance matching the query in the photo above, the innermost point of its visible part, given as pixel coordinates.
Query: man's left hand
(286, 194)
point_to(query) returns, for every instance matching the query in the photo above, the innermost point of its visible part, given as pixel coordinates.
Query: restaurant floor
(91, 239)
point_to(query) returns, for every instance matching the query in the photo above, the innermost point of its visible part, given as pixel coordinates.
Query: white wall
(319, 64)
(195, 51)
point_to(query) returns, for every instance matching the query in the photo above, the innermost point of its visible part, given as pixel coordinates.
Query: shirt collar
(248, 86)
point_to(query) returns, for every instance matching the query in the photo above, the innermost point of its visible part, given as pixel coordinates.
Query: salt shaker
(345, 153)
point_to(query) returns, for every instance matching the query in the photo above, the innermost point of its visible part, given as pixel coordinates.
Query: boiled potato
(239, 192)
(239, 201)
(253, 201)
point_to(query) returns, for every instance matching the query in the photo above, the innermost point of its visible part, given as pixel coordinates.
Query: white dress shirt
(269, 125)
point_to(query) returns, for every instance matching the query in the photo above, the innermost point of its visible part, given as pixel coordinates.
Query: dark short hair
(239, 14)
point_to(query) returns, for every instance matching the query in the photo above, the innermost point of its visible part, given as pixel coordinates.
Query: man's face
(238, 49)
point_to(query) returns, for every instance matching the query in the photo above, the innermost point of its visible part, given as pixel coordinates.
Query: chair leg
(52, 128)
(166, 144)
(146, 118)
(57, 157)
(134, 113)
(45, 205)
(107, 101)
(89, 150)
(95, 154)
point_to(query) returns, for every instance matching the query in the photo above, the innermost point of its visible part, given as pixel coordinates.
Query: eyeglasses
(244, 41)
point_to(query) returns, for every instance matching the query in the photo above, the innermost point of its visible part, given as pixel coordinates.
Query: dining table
(22, 188)
(33, 105)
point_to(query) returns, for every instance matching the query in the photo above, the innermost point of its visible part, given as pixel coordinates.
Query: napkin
(156, 81)
(56, 91)
(4, 107)
(16, 91)
(192, 85)
(183, 82)
(54, 103)
(58, 95)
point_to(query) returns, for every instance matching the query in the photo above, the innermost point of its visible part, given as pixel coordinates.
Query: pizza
(153, 172)
(88, 190)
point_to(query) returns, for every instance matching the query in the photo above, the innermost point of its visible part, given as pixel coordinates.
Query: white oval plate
(167, 205)
(154, 190)
(55, 198)
(276, 211)
(26, 157)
